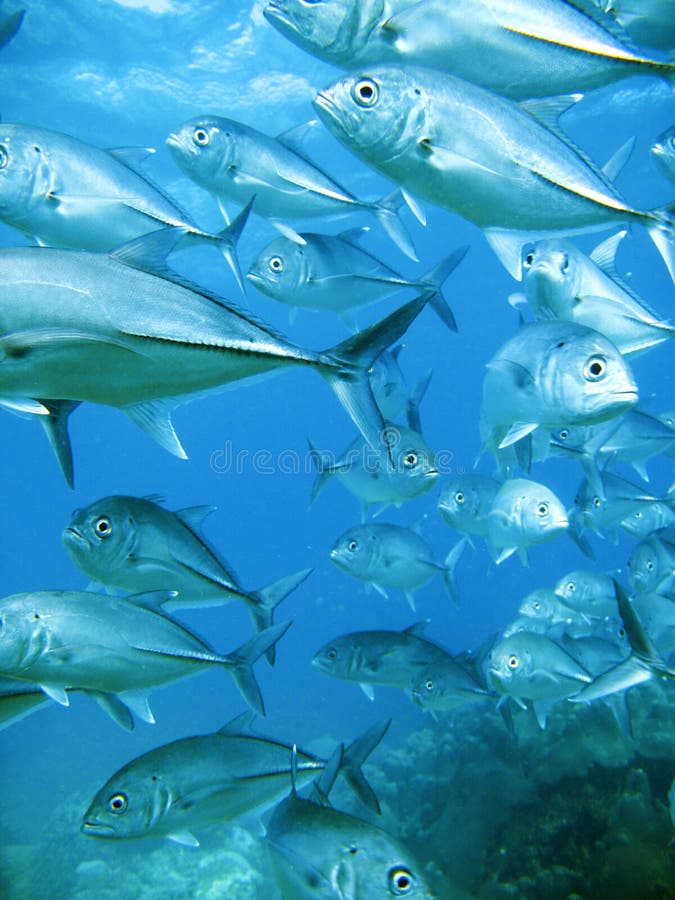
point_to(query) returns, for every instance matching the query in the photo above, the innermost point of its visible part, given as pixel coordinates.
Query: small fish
(663, 153)
(321, 853)
(392, 556)
(544, 605)
(66, 193)
(9, 25)
(617, 498)
(135, 544)
(390, 658)
(589, 593)
(502, 165)
(643, 521)
(233, 161)
(563, 283)
(118, 648)
(651, 565)
(523, 514)
(553, 374)
(465, 502)
(368, 474)
(445, 687)
(196, 781)
(332, 272)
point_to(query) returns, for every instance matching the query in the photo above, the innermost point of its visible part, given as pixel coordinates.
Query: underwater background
(577, 809)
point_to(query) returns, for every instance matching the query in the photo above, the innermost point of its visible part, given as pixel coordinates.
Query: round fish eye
(117, 803)
(429, 685)
(365, 92)
(400, 880)
(563, 434)
(459, 497)
(542, 509)
(331, 654)
(528, 260)
(4, 157)
(597, 502)
(103, 526)
(277, 264)
(536, 605)
(571, 587)
(513, 662)
(201, 137)
(649, 565)
(410, 459)
(353, 546)
(565, 264)
(595, 368)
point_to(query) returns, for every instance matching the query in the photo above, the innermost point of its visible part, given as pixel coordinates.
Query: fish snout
(96, 829)
(179, 146)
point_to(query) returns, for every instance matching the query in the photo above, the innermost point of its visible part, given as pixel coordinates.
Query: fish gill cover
(491, 783)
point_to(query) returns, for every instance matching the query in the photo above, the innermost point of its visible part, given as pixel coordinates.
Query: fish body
(492, 161)
(553, 374)
(524, 513)
(663, 153)
(236, 162)
(112, 646)
(535, 47)
(561, 282)
(465, 502)
(109, 329)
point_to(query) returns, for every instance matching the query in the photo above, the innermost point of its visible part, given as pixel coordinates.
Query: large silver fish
(67, 193)
(503, 166)
(115, 647)
(523, 514)
(196, 781)
(553, 374)
(110, 329)
(561, 282)
(465, 502)
(135, 544)
(535, 48)
(233, 161)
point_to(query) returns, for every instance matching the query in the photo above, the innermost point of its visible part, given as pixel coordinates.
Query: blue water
(126, 74)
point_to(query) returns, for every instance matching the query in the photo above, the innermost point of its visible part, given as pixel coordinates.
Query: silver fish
(444, 687)
(9, 25)
(196, 781)
(501, 165)
(663, 153)
(332, 272)
(465, 502)
(641, 522)
(113, 646)
(135, 544)
(535, 47)
(523, 514)
(553, 374)
(651, 565)
(233, 161)
(617, 499)
(370, 477)
(544, 605)
(563, 283)
(386, 555)
(67, 193)
(72, 328)
(589, 593)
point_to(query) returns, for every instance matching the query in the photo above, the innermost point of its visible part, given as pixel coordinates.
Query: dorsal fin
(241, 724)
(293, 139)
(193, 516)
(417, 628)
(133, 157)
(548, 110)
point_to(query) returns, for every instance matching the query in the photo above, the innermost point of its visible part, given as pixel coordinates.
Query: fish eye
(429, 684)
(528, 259)
(595, 368)
(117, 803)
(597, 502)
(542, 509)
(103, 526)
(459, 497)
(571, 587)
(410, 459)
(649, 565)
(513, 662)
(4, 157)
(401, 881)
(277, 264)
(365, 92)
(536, 605)
(353, 546)
(563, 434)
(331, 654)
(564, 266)
(201, 137)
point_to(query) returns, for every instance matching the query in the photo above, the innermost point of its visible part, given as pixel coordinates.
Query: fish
(643, 521)
(332, 272)
(532, 667)
(648, 22)
(523, 514)
(504, 166)
(385, 555)
(72, 328)
(552, 374)
(368, 475)
(118, 648)
(191, 782)
(135, 544)
(9, 25)
(64, 192)
(320, 853)
(663, 153)
(617, 499)
(536, 47)
(651, 564)
(563, 283)
(544, 605)
(588, 592)
(233, 161)
(445, 687)
(388, 658)
(465, 502)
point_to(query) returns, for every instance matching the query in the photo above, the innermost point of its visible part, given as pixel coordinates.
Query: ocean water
(577, 810)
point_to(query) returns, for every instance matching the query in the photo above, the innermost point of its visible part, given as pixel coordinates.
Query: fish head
(205, 148)
(429, 689)
(543, 515)
(280, 269)
(338, 658)
(538, 604)
(131, 804)
(645, 566)
(353, 551)
(465, 499)
(25, 175)
(100, 537)
(510, 663)
(330, 29)
(414, 460)
(551, 275)
(379, 114)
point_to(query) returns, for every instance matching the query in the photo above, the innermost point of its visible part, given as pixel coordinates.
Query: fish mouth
(324, 101)
(273, 12)
(96, 829)
(432, 473)
(72, 536)
(175, 143)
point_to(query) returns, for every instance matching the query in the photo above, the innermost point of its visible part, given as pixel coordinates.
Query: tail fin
(386, 213)
(264, 601)
(345, 367)
(227, 239)
(56, 429)
(660, 225)
(242, 664)
(434, 280)
(354, 757)
(323, 471)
